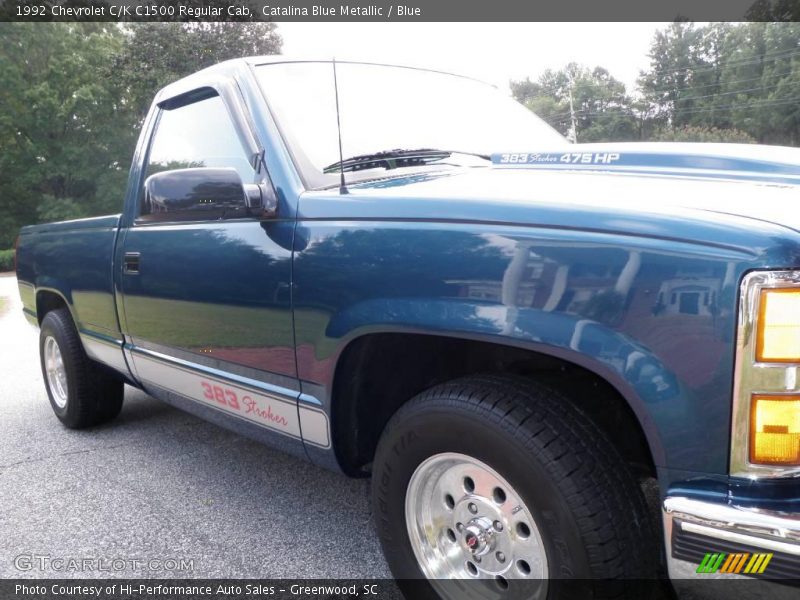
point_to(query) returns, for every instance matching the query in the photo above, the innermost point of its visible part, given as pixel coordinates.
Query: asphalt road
(159, 485)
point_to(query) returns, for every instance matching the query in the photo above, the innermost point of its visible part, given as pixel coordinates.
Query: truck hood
(692, 180)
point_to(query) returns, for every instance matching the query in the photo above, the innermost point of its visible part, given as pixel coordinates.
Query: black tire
(94, 394)
(599, 538)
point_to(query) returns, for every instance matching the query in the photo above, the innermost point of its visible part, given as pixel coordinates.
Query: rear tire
(82, 393)
(563, 477)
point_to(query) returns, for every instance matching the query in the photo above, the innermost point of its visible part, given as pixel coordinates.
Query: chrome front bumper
(693, 528)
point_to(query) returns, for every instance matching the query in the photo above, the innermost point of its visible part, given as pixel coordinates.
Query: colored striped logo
(743, 562)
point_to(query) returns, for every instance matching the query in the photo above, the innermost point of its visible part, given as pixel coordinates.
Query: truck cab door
(206, 292)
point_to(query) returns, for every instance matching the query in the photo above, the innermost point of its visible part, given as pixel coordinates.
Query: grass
(6, 260)
(3, 305)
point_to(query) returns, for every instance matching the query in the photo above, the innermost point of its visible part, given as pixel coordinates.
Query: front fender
(635, 372)
(655, 318)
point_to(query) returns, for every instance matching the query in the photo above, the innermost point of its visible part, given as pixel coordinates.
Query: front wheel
(499, 487)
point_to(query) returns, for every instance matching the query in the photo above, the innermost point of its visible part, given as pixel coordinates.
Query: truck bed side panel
(73, 260)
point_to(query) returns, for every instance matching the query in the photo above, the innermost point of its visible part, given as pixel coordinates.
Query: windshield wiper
(394, 159)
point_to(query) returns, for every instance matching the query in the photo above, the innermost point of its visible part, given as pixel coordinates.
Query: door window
(200, 134)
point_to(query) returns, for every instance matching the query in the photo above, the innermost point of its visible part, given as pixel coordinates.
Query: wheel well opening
(46, 302)
(378, 373)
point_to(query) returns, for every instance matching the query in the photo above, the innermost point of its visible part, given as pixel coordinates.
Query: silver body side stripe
(269, 411)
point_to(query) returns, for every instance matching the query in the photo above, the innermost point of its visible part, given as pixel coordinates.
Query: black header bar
(400, 11)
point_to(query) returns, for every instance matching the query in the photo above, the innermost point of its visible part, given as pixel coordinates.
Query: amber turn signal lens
(779, 326)
(775, 430)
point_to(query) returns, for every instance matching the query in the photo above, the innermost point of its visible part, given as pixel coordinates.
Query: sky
(492, 52)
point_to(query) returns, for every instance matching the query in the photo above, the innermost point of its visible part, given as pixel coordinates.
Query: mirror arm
(257, 160)
(253, 196)
(260, 199)
(268, 197)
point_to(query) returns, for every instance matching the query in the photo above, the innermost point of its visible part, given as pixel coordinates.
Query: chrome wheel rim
(465, 521)
(56, 374)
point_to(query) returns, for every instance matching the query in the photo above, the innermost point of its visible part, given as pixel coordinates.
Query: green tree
(675, 54)
(546, 98)
(695, 133)
(762, 81)
(73, 98)
(59, 129)
(727, 76)
(603, 110)
(159, 53)
(774, 10)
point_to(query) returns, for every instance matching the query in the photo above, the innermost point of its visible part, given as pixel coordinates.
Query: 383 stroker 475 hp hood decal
(767, 164)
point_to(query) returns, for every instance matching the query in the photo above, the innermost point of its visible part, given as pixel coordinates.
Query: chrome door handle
(130, 264)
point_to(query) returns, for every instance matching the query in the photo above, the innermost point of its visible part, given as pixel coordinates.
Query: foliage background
(721, 82)
(73, 96)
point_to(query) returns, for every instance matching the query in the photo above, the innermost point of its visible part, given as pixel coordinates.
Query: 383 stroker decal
(258, 407)
(247, 405)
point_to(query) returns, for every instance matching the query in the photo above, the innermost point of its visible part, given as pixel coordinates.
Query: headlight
(765, 440)
(779, 326)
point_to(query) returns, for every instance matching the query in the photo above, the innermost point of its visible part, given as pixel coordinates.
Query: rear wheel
(82, 393)
(498, 487)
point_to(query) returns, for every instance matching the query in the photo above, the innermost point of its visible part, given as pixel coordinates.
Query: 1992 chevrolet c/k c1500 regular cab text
(509, 332)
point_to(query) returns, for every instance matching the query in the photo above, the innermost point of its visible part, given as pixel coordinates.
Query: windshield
(384, 108)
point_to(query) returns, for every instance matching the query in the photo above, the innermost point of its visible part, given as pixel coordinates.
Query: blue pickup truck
(404, 274)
